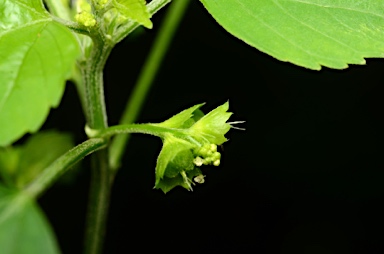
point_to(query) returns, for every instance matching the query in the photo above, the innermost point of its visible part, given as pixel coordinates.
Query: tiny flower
(199, 179)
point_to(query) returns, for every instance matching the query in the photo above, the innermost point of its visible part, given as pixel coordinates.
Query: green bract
(135, 10)
(182, 155)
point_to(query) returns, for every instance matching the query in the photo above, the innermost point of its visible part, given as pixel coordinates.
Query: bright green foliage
(135, 10)
(37, 55)
(181, 155)
(21, 164)
(23, 227)
(309, 33)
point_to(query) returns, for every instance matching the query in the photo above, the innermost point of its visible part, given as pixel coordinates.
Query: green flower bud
(86, 19)
(84, 15)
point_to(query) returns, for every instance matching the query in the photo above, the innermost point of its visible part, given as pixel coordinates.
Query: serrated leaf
(135, 10)
(309, 33)
(36, 57)
(23, 163)
(23, 227)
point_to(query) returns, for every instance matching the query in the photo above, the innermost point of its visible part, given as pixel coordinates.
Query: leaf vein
(312, 28)
(28, 7)
(24, 26)
(11, 89)
(278, 33)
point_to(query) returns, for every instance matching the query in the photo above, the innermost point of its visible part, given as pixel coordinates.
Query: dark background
(305, 177)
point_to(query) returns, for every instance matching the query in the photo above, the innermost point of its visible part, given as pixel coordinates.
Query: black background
(305, 177)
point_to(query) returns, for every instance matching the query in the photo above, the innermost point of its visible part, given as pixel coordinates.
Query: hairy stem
(97, 119)
(146, 77)
(93, 82)
(102, 177)
(62, 164)
(74, 26)
(151, 129)
(98, 203)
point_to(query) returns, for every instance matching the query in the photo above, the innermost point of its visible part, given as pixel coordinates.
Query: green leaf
(21, 164)
(135, 10)
(23, 227)
(36, 57)
(309, 33)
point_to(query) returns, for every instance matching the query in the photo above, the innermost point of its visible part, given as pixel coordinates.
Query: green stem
(93, 81)
(146, 77)
(151, 129)
(70, 158)
(97, 119)
(102, 177)
(74, 26)
(98, 203)
(62, 164)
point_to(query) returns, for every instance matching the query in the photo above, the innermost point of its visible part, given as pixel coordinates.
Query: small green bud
(216, 156)
(216, 163)
(86, 19)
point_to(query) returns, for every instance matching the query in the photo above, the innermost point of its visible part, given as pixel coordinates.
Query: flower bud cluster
(86, 19)
(207, 155)
(84, 15)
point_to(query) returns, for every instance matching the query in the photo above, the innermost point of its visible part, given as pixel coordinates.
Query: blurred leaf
(309, 33)
(23, 227)
(22, 163)
(37, 55)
